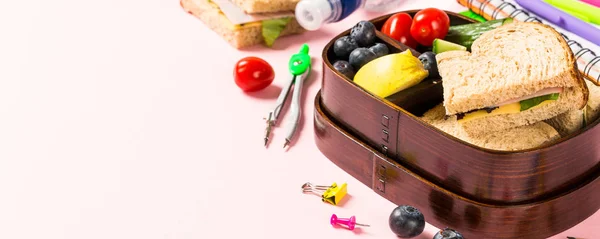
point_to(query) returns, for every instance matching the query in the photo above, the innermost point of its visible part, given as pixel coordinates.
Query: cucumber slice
(440, 46)
(526, 104)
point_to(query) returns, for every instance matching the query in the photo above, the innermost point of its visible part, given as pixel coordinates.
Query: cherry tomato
(253, 74)
(429, 24)
(398, 27)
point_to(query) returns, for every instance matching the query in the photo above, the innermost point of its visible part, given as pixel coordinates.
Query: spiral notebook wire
(587, 60)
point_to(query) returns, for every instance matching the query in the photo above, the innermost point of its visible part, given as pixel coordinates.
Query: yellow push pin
(331, 194)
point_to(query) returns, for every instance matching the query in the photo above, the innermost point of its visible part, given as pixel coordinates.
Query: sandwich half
(248, 33)
(519, 138)
(573, 120)
(517, 74)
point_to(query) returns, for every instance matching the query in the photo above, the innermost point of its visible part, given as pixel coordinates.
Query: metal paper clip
(331, 194)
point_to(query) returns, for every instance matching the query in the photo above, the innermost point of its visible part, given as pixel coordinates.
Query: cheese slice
(512, 108)
(247, 25)
(234, 26)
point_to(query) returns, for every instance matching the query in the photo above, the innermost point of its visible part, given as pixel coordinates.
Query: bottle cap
(311, 14)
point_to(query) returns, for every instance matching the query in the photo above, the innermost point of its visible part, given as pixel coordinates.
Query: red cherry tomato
(398, 27)
(429, 24)
(253, 74)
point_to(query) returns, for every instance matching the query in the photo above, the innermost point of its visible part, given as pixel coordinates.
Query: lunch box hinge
(381, 178)
(385, 134)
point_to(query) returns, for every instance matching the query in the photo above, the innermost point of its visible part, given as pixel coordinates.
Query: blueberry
(380, 49)
(430, 63)
(345, 68)
(448, 233)
(361, 56)
(343, 46)
(363, 33)
(407, 221)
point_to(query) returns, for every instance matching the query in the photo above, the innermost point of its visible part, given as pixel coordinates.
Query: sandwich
(518, 138)
(244, 23)
(515, 75)
(573, 120)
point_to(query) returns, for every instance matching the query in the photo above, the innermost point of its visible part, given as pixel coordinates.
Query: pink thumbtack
(349, 222)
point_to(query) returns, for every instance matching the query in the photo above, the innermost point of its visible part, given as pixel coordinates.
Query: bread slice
(519, 138)
(237, 36)
(568, 122)
(571, 121)
(266, 6)
(592, 109)
(511, 62)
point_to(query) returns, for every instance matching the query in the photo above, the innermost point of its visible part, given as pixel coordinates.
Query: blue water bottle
(312, 14)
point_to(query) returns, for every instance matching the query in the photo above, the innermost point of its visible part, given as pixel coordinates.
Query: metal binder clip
(331, 194)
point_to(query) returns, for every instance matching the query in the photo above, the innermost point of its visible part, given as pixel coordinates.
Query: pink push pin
(349, 222)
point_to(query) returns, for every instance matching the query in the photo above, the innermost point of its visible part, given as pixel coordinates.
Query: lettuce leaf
(526, 104)
(271, 29)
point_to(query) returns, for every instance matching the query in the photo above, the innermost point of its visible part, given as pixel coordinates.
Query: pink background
(120, 119)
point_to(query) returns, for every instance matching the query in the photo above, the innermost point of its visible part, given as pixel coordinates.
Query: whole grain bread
(592, 109)
(568, 122)
(509, 62)
(266, 6)
(571, 121)
(238, 37)
(518, 138)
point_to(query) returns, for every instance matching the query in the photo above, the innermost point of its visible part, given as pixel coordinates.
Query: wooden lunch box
(482, 193)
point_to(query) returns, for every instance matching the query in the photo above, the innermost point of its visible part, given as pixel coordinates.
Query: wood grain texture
(496, 177)
(443, 208)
